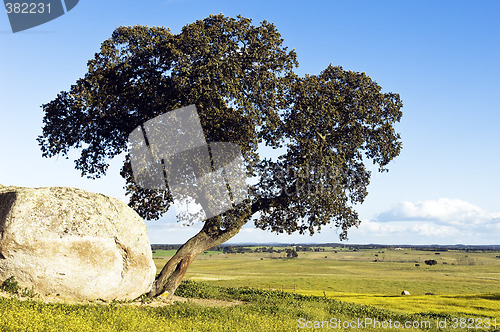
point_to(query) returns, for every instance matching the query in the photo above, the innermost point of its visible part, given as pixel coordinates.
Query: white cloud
(407, 228)
(430, 229)
(444, 211)
(443, 221)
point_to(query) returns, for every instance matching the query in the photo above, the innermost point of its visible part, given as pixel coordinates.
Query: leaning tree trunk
(210, 236)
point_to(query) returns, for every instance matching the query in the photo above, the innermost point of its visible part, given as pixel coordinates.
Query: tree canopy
(241, 78)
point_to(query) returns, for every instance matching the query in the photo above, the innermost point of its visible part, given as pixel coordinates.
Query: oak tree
(325, 128)
(430, 262)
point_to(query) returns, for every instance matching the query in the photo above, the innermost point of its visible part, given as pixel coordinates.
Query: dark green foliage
(291, 253)
(27, 292)
(10, 285)
(241, 79)
(431, 262)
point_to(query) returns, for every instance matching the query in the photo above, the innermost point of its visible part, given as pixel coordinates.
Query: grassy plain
(265, 292)
(463, 283)
(261, 310)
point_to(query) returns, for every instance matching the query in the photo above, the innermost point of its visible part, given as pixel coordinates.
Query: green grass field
(265, 292)
(465, 283)
(261, 310)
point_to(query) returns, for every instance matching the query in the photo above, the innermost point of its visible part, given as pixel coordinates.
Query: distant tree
(241, 79)
(291, 253)
(228, 250)
(431, 262)
(268, 249)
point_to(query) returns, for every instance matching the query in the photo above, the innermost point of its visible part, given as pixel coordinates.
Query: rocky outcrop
(73, 243)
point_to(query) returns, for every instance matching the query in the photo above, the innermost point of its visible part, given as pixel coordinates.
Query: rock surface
(74, 243)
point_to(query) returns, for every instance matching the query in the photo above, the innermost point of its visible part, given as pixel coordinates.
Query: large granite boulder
(74, 243)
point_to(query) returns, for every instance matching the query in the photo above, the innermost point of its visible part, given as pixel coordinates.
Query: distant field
(466, 283)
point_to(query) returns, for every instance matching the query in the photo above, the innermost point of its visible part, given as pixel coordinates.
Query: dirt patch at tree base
(156, 302)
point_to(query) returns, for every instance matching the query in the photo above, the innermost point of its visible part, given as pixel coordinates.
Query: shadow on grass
(493, 297)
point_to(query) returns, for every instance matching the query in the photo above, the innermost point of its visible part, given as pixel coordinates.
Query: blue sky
(441, 56)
